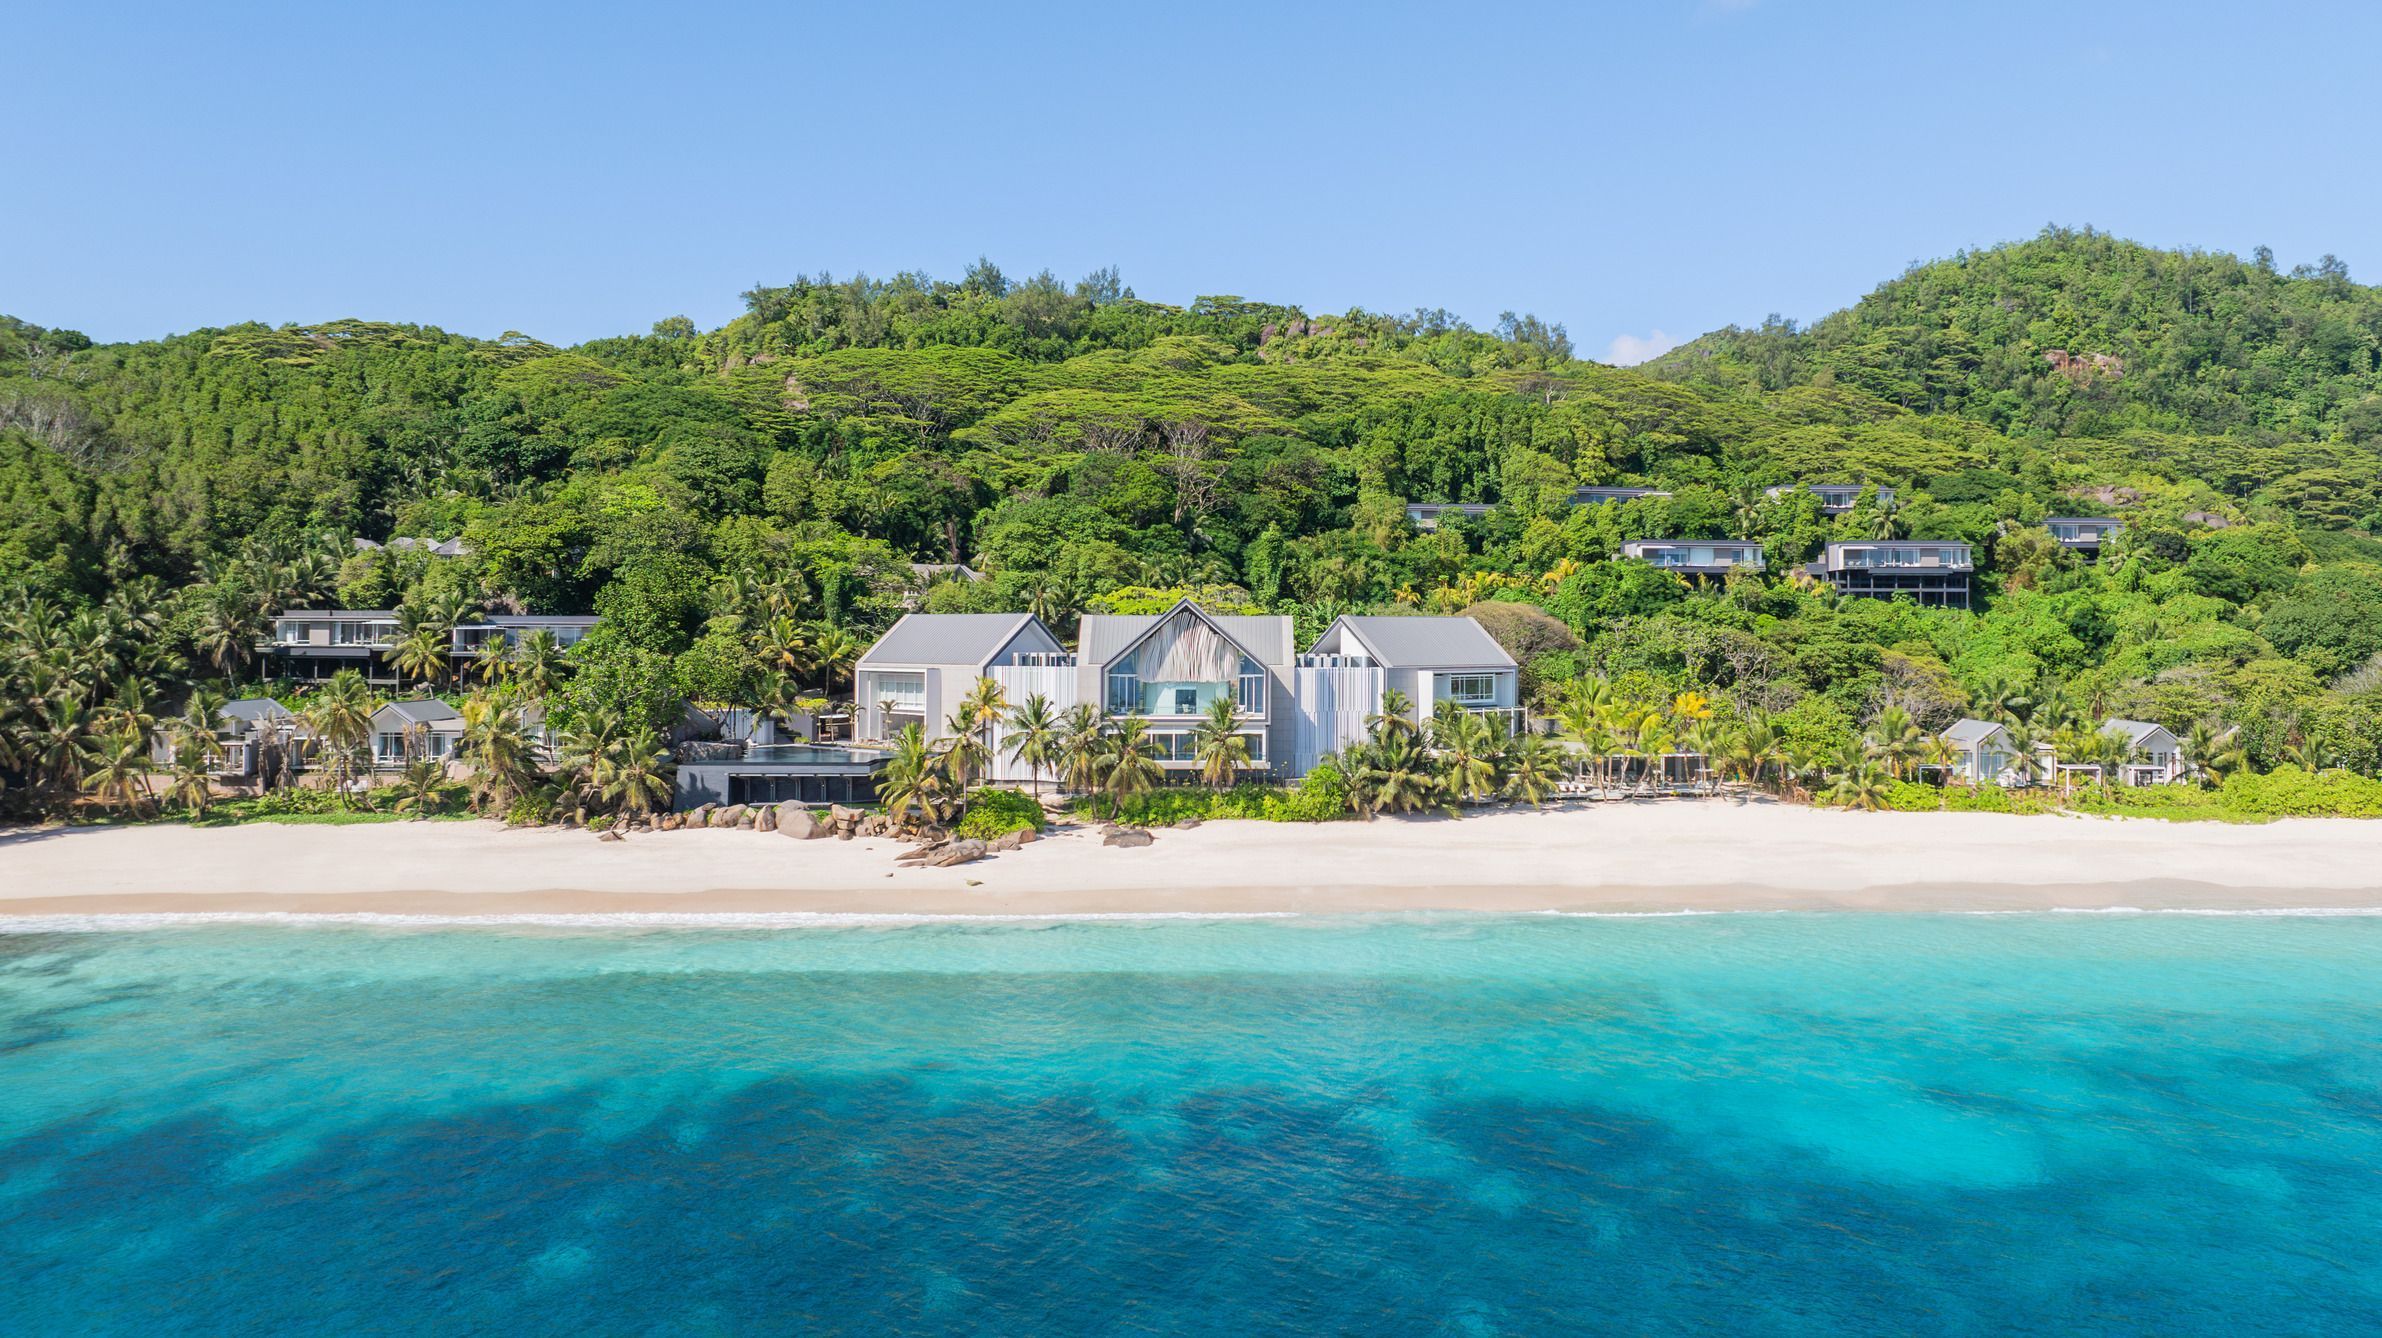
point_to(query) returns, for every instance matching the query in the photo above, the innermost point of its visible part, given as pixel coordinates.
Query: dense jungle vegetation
(720, 495)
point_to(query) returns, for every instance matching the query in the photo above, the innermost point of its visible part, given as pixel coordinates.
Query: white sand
(1668, 855)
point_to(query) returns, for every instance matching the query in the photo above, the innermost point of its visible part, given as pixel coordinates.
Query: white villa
(1983, 753)
(405, 732)
(1168, 669)
(2154, 756)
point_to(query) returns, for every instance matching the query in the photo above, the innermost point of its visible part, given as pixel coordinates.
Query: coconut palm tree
(228, 625)
(1081, 740)
(783, 646)
(633, 776)
(834, 652)
(420, 654)
(496, 745)
(1396, 715)
(1533, 769)
(961, 755)
(1896, 740)
(1218, 744)
(1390, 774)
(1034, 737)
(2211, 753)
(116, 768)
(1466, 749)
(1752, 749)
(1864, 785)
(193, 786)
(341, 717)
(911, 779)
(1129, 763)
(982, 708)
(537, 664)
(420, 787)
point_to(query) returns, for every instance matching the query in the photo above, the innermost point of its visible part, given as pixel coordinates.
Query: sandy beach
(1665, 856)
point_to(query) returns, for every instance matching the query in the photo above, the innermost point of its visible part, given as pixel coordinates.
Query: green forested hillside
(1083, 447)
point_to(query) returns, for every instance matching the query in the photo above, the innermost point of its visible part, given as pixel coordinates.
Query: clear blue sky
(1664, 166)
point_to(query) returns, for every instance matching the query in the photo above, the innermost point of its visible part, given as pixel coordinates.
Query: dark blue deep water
(1769, 1124)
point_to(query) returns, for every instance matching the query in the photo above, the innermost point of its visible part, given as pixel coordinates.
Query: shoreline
(1658, 857)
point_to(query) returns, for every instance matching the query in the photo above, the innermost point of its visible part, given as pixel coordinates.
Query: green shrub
(1321, 796)
(994, 813)
(2288, 792)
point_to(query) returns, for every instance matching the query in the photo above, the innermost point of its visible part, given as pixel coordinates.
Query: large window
(1472, 689)
(1124, 692)
(1249, 693)
(906, 692)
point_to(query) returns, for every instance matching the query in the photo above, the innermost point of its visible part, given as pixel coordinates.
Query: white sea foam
(118, 922)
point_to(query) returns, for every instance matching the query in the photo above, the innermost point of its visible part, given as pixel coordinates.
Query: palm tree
(911, 779)
(1864, 785)
(341, 717)
(1390, 774)
(1888, 523)
(1751, 749)
(495, 744)
(1218, 744)
(418, 790)
(782, 645)
(193, 787)
(1034, 737)
(1396, 715)
(1532, 770)
(536, 665)
(228, 627)
(1129, 764)
(116, 767)
(634, 774)
(834, 652)
(1467, 751)
(982, 708)
(961, 756)
(1081, 740)
(420, 654)
(1896, 739)
(2211, 753)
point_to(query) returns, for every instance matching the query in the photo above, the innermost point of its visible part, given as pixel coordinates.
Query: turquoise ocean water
(1756, 1124)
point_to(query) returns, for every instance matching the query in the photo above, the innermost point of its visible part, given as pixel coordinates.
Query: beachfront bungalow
(2084, 534)
(1835, 498)
(1599, 496)
(243, 729)
(1696, 557)
(412, 731)
(1931, 571)
(919, 670)
(1168, 669)
(1428, 659)
(2154, 756)
(313, 644)
(1984, 753)
(1425, 516)
(507, 631)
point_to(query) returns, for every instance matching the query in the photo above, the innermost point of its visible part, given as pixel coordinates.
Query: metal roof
(946, 638)
(253, 709)
(1972, 730)
(1265, 638)
(2134, 730)
(1420, 642)
(429, 711)
(537, 620)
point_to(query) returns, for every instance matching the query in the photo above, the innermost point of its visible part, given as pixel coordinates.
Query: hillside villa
(1696, 557)
(2084, 534)
(1835, 499)
(1930, 571)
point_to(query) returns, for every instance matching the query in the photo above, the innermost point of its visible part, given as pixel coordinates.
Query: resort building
(472, 640)
(1427, 659)
(1984, 753)
(2154, 756)
(243, 729)
(919, 670)
(2084, 534)
(1600, 496)
(317, 643)
(1696, 557)
(1425, 516)
(413, 731)
(1931, 571)
(1835, 498)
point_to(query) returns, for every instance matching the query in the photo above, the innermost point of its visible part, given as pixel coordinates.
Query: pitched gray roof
(1420, 642)
(1971, 731)
(253, 709)
(1265, 637)
(2135, 731)
(427, 712)
(945, 638)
